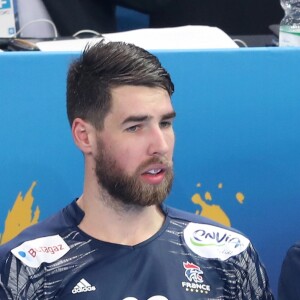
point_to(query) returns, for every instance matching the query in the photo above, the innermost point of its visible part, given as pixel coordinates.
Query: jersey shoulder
(207, 238)
(51, 226)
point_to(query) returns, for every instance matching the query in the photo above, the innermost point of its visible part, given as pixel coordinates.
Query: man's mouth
(154, 171)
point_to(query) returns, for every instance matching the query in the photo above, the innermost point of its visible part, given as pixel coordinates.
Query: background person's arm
(289, 280)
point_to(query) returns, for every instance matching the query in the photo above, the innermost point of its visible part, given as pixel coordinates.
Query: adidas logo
(82, 287)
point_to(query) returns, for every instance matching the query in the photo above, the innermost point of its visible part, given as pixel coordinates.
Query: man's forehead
(134, 97)
(138, 102)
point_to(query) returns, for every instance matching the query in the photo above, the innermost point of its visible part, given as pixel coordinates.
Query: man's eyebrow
(142, 118)
(138, 118)
(170, 115)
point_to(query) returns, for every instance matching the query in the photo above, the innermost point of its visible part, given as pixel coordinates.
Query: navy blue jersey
(189, 258)
(289, 287)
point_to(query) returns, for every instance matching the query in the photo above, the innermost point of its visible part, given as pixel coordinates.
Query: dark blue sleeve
(3, 295)
(4, 292)
(289, 280)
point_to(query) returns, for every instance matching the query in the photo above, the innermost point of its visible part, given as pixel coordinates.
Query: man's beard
(130, 189)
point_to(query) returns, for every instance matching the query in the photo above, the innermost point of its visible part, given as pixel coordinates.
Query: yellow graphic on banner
(213, 211)
(20, 216)
(240, 197)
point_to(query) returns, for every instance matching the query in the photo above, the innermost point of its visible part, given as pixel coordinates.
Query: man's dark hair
(103, 66)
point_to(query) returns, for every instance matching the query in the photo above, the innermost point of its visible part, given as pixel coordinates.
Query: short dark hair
(106, 65)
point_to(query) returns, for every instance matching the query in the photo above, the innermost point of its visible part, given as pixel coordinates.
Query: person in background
(235, 17)
(71, 16)
(289, 280)
(119, 240)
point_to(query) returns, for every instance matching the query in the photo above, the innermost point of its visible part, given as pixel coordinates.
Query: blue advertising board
(237, 142)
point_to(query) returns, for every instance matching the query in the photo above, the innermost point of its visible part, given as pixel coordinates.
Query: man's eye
(133, 128)
(165, 124)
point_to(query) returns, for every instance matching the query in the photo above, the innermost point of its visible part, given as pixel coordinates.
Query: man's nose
(158, 144)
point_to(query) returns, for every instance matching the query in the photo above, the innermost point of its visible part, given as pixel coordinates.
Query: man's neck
(110, 221)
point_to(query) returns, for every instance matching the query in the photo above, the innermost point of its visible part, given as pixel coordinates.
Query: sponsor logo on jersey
(83, 287)
(214, 242)
(195, 279)
(46, 249)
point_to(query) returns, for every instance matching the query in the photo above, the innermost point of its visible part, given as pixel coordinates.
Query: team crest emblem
(195, 283)
(192, 272)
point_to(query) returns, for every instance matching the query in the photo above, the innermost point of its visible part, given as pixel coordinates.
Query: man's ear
(82, 133)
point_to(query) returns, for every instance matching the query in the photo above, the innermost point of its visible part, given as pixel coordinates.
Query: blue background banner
(237, 142)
